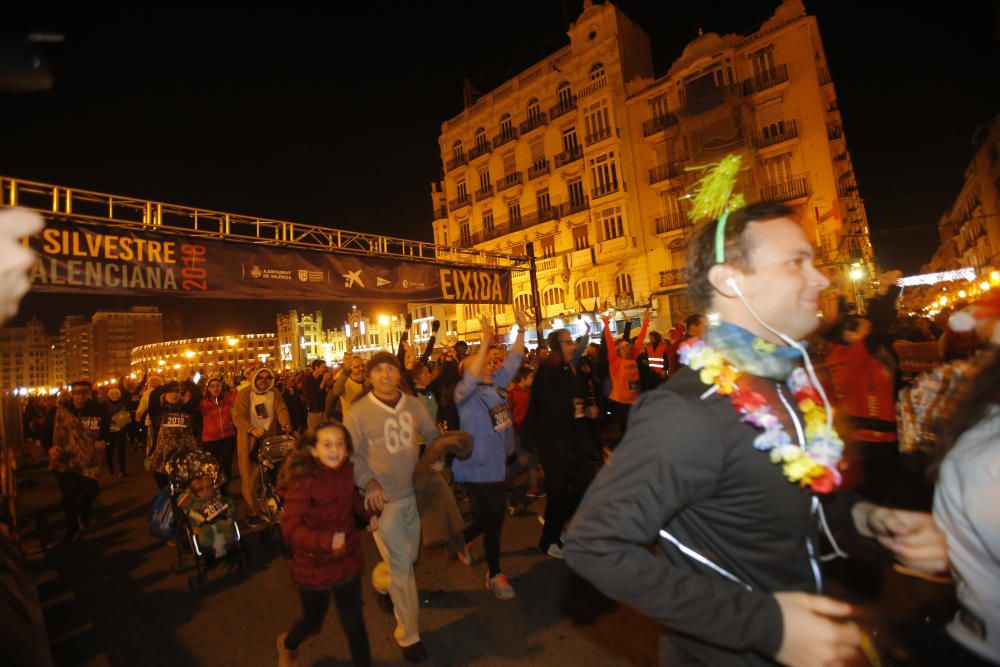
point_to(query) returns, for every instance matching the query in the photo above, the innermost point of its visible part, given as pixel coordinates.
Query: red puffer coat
(315, 509)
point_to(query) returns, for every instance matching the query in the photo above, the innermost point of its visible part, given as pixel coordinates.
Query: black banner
(116, 261)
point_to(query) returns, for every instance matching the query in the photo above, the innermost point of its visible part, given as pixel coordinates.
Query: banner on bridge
(105, 260)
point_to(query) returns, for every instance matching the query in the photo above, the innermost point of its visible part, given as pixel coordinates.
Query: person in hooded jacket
(259, 411)
(218, 435)
(173, 422)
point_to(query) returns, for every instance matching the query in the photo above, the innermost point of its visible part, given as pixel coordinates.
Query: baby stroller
(269, 452)
(182, 470)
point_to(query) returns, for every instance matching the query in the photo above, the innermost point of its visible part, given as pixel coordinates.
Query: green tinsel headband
(720, 238)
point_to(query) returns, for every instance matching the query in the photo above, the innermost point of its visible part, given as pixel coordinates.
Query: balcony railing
(567, 156)
(844, 191)
(504, 137)
(775, 134)
(536, 120)
(662, 172)
(824, 76)
(478, 150)
(766, 79)
(564, 106)
(658, 124)
(459, 202)
(671, 222)
(549, 264)
(483, 193)
(511, 224)
(793, 188)
(573, 206)
(509, 181)
(540, 168)
(673, 277)
(604, 189)
(456, 162)
(541, 215)
(600, 135)
(834, 131)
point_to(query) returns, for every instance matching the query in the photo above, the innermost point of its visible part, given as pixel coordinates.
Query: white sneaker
(554, 550)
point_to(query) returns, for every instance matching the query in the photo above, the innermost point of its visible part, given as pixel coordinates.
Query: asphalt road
(111, 598)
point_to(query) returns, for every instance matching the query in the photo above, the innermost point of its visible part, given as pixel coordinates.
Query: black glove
(435, 325)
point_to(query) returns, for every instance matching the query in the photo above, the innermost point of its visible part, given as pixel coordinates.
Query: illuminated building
(582, 157)
(216, 354)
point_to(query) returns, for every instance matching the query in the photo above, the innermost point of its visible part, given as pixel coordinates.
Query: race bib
(500, 414)
(91, 423)
(174, 421)
(214, 509)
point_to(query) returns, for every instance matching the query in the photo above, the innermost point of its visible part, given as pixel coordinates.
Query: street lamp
(383, 320)
(985, 286)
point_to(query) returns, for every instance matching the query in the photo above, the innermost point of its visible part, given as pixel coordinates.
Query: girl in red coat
(322, 507)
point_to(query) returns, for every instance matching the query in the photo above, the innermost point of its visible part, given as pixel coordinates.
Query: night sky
(331, 116)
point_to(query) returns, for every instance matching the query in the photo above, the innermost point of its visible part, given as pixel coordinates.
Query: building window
(548, 247)
(481, 139)
(576, 196)
(509, 164)
(514, 213)
(488, 221)
(623, 285)
(506, 126)
(456, 150)
(586, 289)
(779, 170)
(554, 296)
(565, 94)
(569, 141)
(597, 122)
(524, 302)
(581, 237)
(596, 71)
(537, 149)
(604, 173)
(534, 110)
(462, 191)
(517, 250)
(762, 60)
(610, 223)
(485, 184)
(658, 106)
(463, 231)
(542, 200)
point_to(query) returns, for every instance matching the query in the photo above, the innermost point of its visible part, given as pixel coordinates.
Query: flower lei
(815, 464)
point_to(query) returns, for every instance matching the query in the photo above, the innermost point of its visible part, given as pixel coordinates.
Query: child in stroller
(210, 515)
(202, 514)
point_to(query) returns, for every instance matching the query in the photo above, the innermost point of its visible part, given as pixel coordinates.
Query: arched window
(565, 94)
(524, 302)
(586, 289)
(623, 284)
(554, 296)
(506, 126)
(596, 71)
(481, 138)
(456, 149)
(534, 110)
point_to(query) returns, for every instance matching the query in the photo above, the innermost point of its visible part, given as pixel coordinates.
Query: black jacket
(689, 466)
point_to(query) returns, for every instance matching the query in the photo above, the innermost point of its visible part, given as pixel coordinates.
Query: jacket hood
(253, 380)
